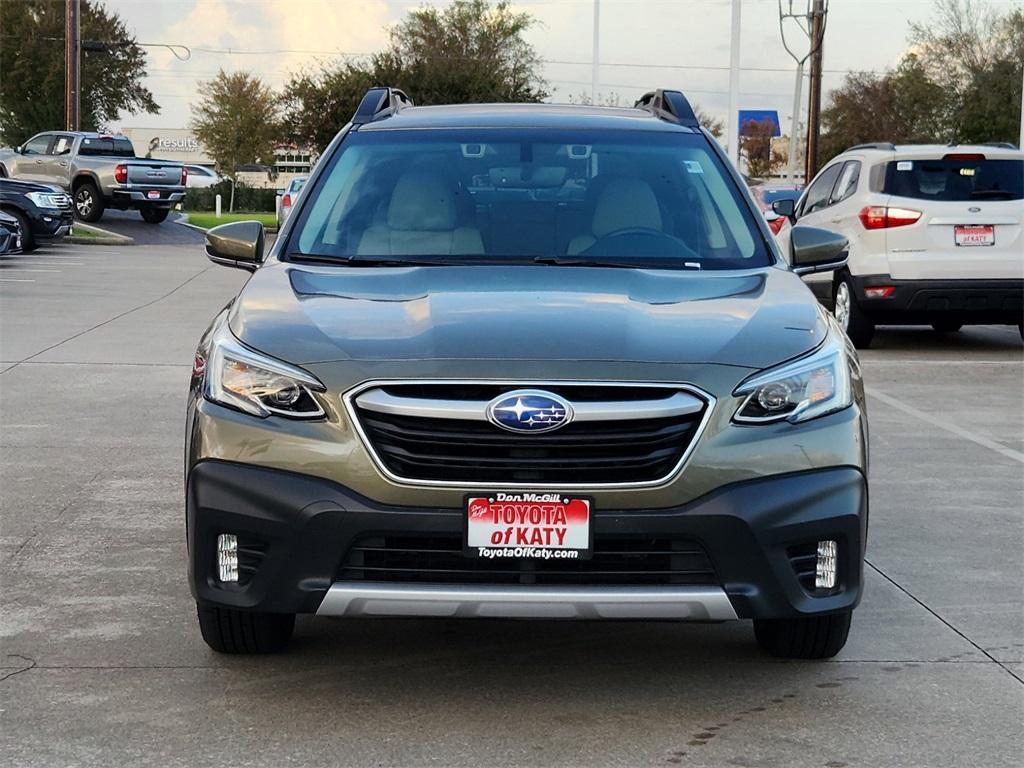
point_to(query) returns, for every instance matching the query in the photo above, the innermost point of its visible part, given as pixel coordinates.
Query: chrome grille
(438, 433)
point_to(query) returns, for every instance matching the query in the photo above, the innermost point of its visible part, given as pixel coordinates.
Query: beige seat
(622, 204)
(421, 221)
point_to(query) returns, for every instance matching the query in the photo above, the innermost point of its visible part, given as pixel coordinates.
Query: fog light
(227, 556)
(825, 571)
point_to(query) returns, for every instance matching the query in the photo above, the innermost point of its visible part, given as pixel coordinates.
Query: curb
(105, 237)
(184, 222)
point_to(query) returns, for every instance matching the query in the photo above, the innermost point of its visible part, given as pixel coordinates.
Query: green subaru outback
(533, 362)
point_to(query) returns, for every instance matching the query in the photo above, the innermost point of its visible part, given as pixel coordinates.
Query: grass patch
(206, 220)
(77, 230)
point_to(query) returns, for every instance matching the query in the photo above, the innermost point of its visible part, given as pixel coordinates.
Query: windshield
(616, 198)
(956, 179)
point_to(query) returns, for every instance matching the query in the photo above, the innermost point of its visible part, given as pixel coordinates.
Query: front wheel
(227, 630)
(88, 203)
(811, 637)
(851, 317)
(154, 215)
(26, 240)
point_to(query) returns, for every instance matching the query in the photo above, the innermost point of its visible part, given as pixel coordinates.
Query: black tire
(154, 215)
(88, 203)
(227, 630)
(813, 637)
(28, 240)
(858, 326)
(947, 326)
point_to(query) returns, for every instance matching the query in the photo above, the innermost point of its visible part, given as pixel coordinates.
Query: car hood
(314, 314)
(21, 187)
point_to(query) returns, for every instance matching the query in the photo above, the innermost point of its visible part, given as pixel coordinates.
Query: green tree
(904, 106)
(317, 104)
(237, 121)
(471, 51)
(32, 69)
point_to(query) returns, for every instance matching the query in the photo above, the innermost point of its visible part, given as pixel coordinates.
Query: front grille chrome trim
(485, 602)
(679, 404)
(349, 402)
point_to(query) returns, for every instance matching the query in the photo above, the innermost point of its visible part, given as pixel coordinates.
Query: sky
(644, 44)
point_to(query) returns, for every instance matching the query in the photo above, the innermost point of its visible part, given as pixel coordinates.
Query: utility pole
(72, 63)
(734, 86)
(596, 53)
(814, 107)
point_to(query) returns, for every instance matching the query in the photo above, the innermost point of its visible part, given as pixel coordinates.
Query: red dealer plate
(543, 526)
(970, 235)
(153, 194)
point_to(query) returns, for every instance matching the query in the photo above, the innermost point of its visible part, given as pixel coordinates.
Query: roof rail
(999, 144)
(886, 145)
(380, 102)
(669, 105)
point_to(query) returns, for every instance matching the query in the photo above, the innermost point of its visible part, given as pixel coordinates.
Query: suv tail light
(884, 217)
(184, 175)
(286, 201)
(121, 174)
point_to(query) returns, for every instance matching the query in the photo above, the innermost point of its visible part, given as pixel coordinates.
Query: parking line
(25, 269)
(953, 428)
(15, 280)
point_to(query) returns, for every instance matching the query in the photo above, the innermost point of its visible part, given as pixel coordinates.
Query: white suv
(936, 235)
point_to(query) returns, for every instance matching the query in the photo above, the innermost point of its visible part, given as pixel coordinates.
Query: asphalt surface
(102, 663)
(130, 224)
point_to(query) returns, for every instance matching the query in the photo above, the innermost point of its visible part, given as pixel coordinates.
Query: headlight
(242, 378)
(804, 389)
(45, 199)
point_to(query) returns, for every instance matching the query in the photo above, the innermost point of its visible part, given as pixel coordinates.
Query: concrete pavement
(102, 663)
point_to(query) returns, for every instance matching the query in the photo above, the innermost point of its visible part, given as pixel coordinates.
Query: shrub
(246, 198)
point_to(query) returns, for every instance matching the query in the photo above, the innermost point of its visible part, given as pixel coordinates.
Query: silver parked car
(289, 197)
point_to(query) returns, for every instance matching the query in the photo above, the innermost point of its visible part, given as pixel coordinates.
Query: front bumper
(306, 524)
(926, 301)
(52, 225)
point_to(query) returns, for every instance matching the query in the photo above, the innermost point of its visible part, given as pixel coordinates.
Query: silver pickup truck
(100, 171)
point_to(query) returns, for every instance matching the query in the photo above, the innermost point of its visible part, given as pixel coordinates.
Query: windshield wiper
(582, 261)
(365, 260)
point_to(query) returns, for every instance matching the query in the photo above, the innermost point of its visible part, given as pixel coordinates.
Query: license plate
(539, 526)
(153, 194)
(970, 235)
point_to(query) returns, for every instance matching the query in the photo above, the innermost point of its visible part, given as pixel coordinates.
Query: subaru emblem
(529, 410)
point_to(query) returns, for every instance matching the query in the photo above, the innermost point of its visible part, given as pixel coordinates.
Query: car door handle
(63, 165)
(39, 162)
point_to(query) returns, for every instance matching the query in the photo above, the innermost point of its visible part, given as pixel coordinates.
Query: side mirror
(785, 208)
(238, 244)
(18, 149)
(816, 250)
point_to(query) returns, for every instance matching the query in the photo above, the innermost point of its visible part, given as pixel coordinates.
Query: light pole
(734, 86)
(596, 53)
(72, 63)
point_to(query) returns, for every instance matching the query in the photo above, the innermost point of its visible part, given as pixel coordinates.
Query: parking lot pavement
(102, 663)
(130, 224)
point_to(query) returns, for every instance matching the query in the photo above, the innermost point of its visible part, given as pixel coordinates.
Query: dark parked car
(43, 212)
(10, 237)
(526, 361)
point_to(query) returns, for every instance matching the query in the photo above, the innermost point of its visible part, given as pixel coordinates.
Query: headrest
(625, 203)
(422, 201)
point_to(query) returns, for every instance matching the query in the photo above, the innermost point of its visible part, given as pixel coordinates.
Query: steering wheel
(645, 241)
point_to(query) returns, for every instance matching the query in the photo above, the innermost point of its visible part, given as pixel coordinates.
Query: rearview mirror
(785, 208)
(238, 244)
(816, 250)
